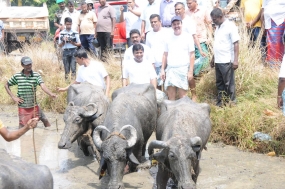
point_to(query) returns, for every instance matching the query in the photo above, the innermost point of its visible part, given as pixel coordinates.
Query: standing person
(90, 71)
(136, 39)
(225, 60)
(167, 12)
(152, 8)
(156, 42)
(281, 87)
(89, 5)
(274, 20)
(71, 13)
(105, 27)
(14, 135)
(27, 81)
(69, 41)
(59, 13)
(179, 58)
(1, 37)
(203, 29)
(139, 70)
(132, 18)
(87, 24)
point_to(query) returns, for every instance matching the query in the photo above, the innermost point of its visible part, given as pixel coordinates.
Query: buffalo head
(181, 157)
(116, 149)
(75, 118)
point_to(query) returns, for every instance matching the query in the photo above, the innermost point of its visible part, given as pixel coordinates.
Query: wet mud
(222, 167)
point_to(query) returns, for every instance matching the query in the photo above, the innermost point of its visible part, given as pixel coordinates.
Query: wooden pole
(35, 153)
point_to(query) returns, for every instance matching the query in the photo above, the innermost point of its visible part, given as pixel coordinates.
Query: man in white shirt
(138, 70)
(132, 18)
(71, 13)
(135, 39)
(179, 57)
(152, 8)
(90, 71)
(225, 59)
(156, 42)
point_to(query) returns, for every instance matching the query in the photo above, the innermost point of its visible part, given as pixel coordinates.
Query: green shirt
(27, 86)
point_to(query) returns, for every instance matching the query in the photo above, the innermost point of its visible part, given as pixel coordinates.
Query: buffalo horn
(156, 144)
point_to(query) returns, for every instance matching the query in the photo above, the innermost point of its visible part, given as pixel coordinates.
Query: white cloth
(94, 73)
(148, 55)
(74, 16)
(282, 69)
(189, 25)
(275, 10)
(139, 73)
(132, 21)
(179, 48)
(154, 8)
(156, 42)
(225, 36)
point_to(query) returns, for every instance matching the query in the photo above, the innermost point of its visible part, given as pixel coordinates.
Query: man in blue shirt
(69, 41)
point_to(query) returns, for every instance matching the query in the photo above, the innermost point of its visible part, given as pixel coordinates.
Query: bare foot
(194, 98)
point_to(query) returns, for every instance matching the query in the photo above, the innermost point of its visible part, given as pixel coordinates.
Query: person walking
(90, 71)
(167, 11)
(69, 41)
(132, 18)
(152, 8)
(87, 24)
(71, 13)
(156, 42)
(225, 59)
(27, 81)
(2, 47)
(59, 13)
(179, 59)
(105, 28)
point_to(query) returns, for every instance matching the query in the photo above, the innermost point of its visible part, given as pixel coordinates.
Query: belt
(168, 26)
(69, 49)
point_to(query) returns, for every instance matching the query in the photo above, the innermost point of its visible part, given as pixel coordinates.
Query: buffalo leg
(161, 177)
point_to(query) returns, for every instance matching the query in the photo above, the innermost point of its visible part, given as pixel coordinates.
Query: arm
(135, 12)
(143, 30)
(66, 88)
(197, 43)
(154, 82)
(236, 53)
(230, 5)
(47, 91)
(16, 99)
(122, 14)
(107, 81)
(256, 19)
(77, 43)
(191, 68)
(164, 61)
(13, 135)
(113, 26)
(125, 82)
(57, 25)
(281, 86)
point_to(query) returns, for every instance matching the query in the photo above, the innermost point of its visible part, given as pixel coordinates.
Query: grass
(256, 86)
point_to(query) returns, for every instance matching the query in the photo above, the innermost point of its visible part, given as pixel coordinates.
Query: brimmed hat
(26, 60)
(176, 18)
(89, 2)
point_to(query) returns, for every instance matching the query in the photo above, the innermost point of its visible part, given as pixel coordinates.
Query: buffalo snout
(188, 186)
(116, 186)
(63, 144)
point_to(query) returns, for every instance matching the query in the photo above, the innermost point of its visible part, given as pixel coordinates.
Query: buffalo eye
(78, 119)
(171, 155)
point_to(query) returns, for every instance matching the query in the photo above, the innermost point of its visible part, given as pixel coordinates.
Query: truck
(24, 25)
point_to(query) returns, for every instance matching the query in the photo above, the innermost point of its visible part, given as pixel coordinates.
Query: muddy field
(222, 167)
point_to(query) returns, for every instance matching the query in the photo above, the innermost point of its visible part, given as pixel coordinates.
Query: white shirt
(154, 8)
(179, 48)
(148, 55)
(282, 69)
(139, 73)
(189, 25)
(156, 42)
(94, 73)
(74, 16)
(132, 21)
(225, 36)
(275, 10)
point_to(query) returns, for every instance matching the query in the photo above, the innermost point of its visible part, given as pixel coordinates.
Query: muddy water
(222, 167)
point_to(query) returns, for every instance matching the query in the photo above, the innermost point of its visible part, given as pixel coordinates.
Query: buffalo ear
(133, 158)
(160, 156)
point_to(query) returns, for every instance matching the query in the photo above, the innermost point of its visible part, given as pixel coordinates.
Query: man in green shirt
(27, 81)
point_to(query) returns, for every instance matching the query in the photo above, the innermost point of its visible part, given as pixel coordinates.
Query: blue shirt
(1, 27)
(68, 33)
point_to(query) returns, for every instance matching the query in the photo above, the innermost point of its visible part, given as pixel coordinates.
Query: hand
(32, 123)
(235, 65)
(212, 63)
(130, 8)
(162, 74)
(122, 8)
(143, 36)
(112, 34)
(61, 89)
(18, 100)
(53, 95)
(203, 54)
(95, 35)
(279, 102)
(190, 75)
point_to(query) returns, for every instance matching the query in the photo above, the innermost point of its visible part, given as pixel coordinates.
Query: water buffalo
(129, 123)
(183, 129)
(87, 107)
(18, 174)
